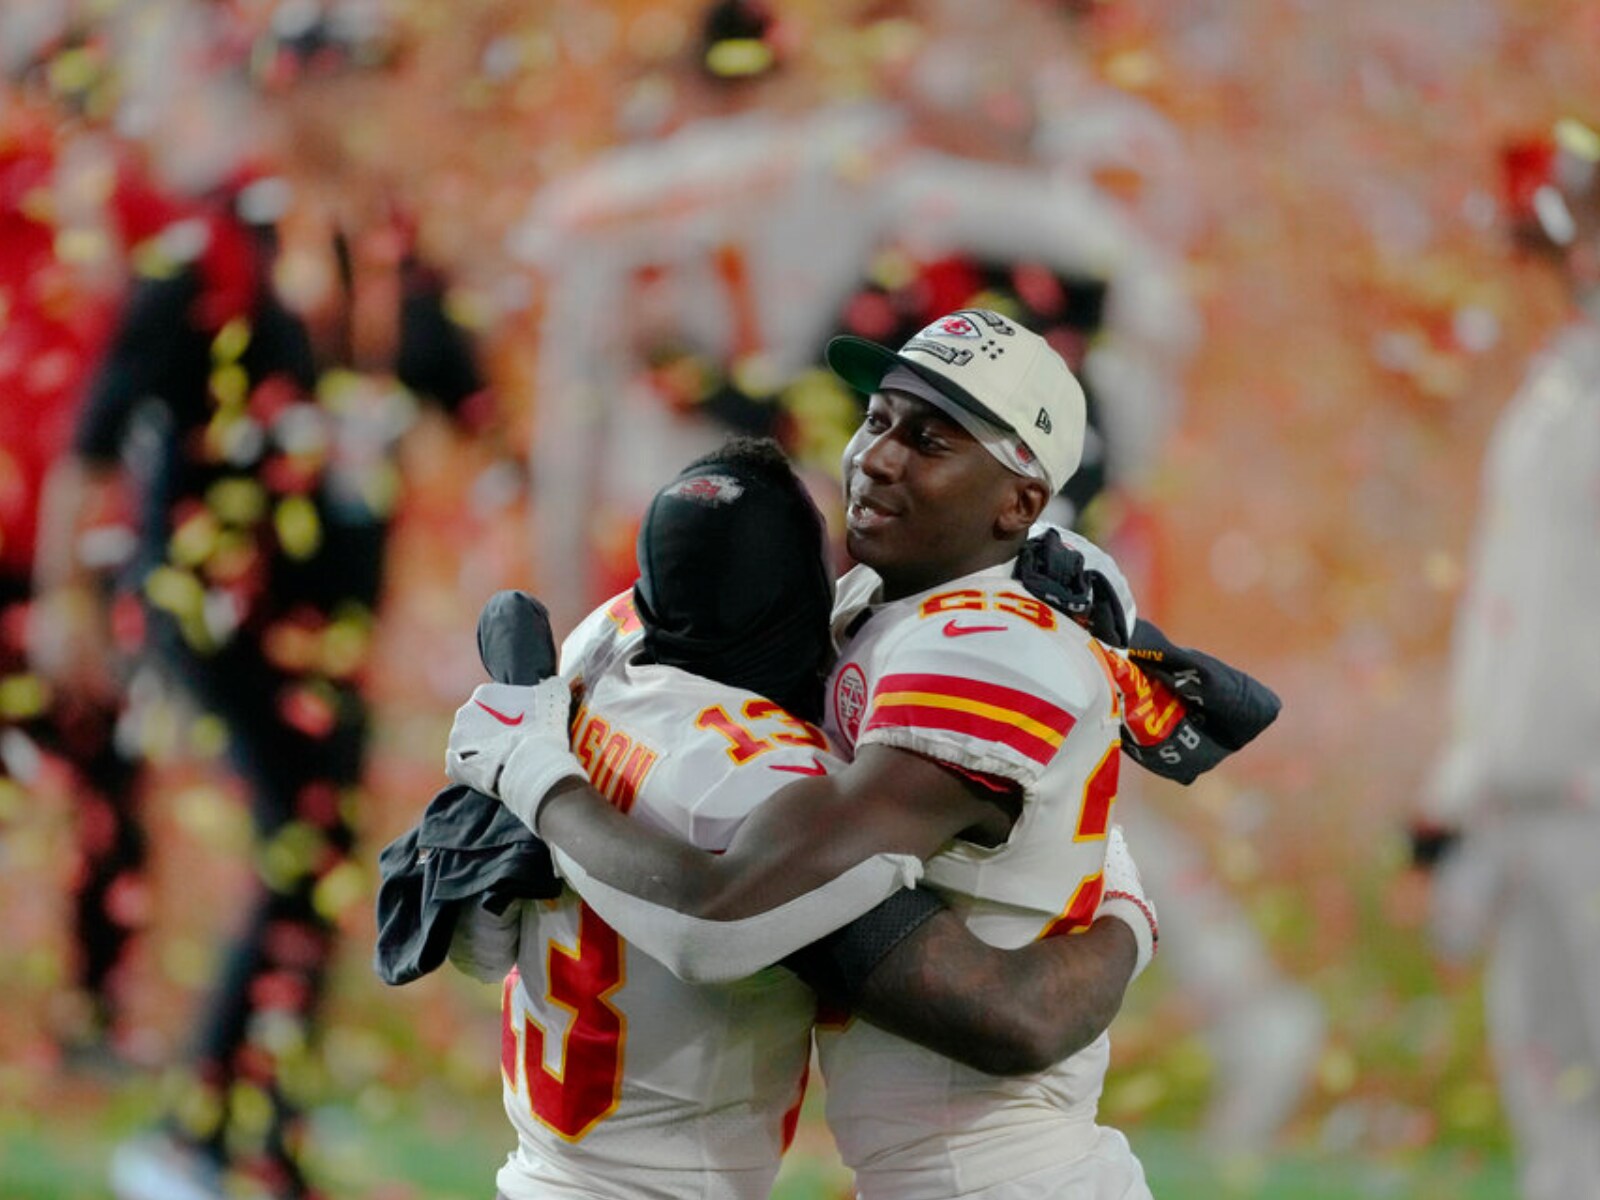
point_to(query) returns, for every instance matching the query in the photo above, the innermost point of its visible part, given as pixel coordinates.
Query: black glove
(1430, 843)
(1054, 572)
(1227, 704)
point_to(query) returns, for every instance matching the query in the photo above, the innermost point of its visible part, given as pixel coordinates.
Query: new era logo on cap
(992, 367)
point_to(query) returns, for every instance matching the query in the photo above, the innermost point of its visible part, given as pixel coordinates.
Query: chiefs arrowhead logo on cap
(708, 489)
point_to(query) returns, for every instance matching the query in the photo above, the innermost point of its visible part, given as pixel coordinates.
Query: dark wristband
(837, 966)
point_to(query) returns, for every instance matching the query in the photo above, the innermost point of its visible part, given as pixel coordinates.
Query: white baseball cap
(988, 366)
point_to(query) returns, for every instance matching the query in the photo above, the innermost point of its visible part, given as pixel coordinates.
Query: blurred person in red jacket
(73, 200)
(256, 411)
(1511, 812)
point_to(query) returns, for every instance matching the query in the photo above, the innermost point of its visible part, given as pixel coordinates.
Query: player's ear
(1025, 500)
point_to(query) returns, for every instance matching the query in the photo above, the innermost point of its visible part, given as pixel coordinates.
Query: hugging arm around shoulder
(818, 854)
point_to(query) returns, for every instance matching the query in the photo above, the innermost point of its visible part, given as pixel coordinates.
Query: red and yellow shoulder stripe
(1027, 724)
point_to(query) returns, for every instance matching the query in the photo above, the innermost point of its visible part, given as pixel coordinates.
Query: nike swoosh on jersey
(500, 716)
(952, 629)
(816, 768)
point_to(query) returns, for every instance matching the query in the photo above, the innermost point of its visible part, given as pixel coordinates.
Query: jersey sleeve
(716, 816)
(993, 694)
(596, 641)
(698, 950)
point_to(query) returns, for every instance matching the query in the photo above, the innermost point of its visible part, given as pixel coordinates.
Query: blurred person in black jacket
(260, 436)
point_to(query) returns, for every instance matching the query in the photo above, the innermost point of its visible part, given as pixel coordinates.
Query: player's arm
(1006, 1012)
(810, 832)
(913, 967)
(820, 852)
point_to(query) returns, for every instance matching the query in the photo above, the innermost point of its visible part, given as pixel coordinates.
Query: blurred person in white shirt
(1510, 817)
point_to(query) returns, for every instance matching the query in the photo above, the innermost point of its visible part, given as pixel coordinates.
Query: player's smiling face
(924, 501)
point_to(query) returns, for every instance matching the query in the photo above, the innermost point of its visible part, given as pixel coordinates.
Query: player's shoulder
(986, 634)
(609, 634)
(726, 751)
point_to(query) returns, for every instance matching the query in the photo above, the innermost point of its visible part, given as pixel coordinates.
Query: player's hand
(1431, 842)
(1124, 899)
(1080, 580)
(485, 944)
(510, 742)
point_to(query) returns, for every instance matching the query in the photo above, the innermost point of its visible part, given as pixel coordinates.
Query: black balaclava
(733, 584)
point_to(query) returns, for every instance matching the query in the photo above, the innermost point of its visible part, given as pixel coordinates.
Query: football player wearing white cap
(985, 735)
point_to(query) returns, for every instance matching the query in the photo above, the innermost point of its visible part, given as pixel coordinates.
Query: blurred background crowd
(438, 295)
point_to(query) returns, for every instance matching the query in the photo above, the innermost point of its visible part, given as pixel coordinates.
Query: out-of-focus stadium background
(1361, 322)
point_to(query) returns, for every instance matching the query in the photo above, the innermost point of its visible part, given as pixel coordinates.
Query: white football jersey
(621, 1079)
(979, 674)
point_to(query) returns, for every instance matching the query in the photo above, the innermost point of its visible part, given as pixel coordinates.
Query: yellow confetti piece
(74, 70)
(208, 736)
(290, 855)
(298, 527)
(340, 890)
(466, 308)
(739, 58)
(755, 375)
(175, 591)
(892, 270)
(381, 489)
(231, 341)
(151, 260)
(237, 500)
(249, 1116)
(23, 696)
(230, 384)
(188, 963)
(1577, 138)
(1132, 69)
(345, 648)
(82, 247)
(197, 1109)
(193, 541)
(337, 388)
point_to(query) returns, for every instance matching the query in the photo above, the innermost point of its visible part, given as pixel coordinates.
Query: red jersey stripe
(969, 719)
